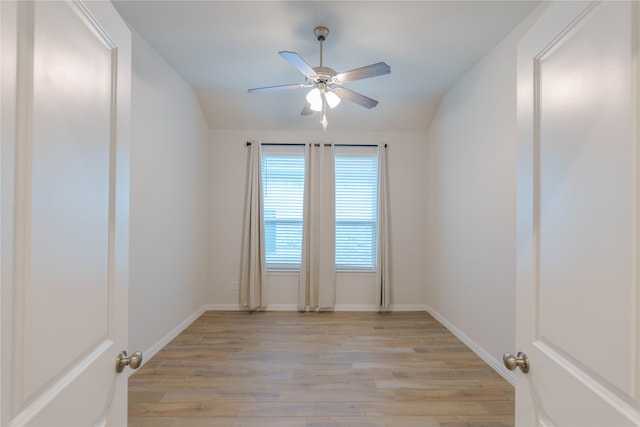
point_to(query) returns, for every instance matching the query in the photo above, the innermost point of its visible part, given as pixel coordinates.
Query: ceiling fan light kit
(326, 83)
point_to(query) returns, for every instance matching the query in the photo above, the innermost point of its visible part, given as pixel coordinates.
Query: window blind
(356, 208)
(282, 192)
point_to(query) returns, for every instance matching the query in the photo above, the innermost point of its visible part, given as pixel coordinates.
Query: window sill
(283, 272)
(291, 272)
(362, 273)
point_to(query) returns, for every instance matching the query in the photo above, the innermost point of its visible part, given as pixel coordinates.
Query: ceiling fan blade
(306, 110)
(276, 88)
(372, 70)
(295, 60)
(359, 99)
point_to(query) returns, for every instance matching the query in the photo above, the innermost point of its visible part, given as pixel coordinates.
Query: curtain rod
(317, 145)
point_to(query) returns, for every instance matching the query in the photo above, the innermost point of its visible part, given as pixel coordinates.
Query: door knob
(512, 362)
(134, 361)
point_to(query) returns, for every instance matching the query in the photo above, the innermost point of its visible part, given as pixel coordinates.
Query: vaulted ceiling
(223, 48)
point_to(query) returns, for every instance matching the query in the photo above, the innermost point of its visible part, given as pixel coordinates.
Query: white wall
(472, 202)
(169, 200)
(452, 194)
(407, 175)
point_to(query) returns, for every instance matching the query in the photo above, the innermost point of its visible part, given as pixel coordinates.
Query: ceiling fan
(326, 83)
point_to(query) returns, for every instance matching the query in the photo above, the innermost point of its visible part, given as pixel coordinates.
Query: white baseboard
(338, 307)
(282, 307)
(224, 307)
(408, 307)
(481, 352)
(355, 307)
(238, 307)
(151, 351)
(375, 308)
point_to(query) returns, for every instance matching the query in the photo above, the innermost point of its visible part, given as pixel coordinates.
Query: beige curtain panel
(317, 286)
(253, 274)
(384, 244)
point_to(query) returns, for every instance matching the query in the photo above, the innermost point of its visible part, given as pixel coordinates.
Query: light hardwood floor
(289, 369)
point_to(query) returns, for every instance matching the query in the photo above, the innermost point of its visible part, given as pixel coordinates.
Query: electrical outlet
(234, 285)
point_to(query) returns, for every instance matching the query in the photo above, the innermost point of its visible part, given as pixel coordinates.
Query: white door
(65, 81)
(578, 245)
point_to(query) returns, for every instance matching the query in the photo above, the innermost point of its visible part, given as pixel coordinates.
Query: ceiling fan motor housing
(325, 75)
(321, 33)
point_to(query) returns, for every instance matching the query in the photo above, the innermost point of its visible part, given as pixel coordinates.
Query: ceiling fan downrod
(321, 34)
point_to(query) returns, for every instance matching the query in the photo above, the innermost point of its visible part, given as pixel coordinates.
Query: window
(356, 208)
(356, 201)
(282, 192)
